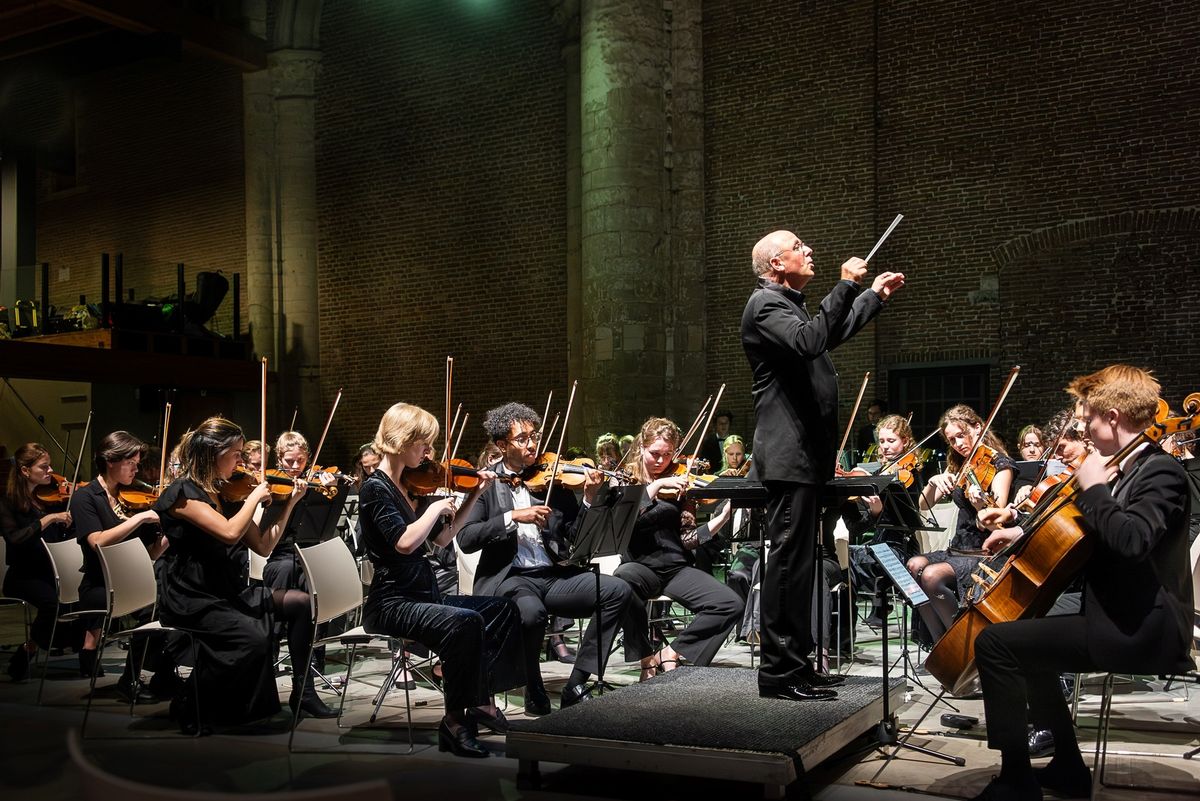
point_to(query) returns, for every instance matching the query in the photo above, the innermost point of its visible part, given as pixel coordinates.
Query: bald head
(767, 247)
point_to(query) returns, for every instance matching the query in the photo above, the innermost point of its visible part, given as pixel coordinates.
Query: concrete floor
(36, 766)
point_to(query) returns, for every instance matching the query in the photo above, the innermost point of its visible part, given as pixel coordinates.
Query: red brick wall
(442, 207)
(158, 178)
(997, 125)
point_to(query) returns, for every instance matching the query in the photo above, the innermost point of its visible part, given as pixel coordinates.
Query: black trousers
(541, 592)
(716, 606)
(787, 587)
(40, 593)
(1019, 665)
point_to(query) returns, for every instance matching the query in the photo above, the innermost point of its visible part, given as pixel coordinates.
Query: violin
(698, 476)
(137, 498)
(429, 477)
(572, 473)
(243, 481)
(980, 471)
(56, 493)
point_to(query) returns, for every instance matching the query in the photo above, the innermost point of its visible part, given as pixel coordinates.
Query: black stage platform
(706, 722)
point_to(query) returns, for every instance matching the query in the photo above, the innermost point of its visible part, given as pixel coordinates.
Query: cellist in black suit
(1137, 604)
(795, 403)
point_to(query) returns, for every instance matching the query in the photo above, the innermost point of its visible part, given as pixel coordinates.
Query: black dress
(205, 590)
(968, 536)
(29, 575)
(477, 637)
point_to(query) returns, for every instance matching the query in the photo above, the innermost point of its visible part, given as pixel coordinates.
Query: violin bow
(82, 444)
(691, 429)
(1008, 385)
(37, 419)
(889, 462)
(853, 414)
(553, 428)
(162, 464)
(450, 432)
(262, 470)
(461, 429)
(562, 436)
(542, 429)
(704, 431)
(449, 385)
(328, 420)
(292, 425)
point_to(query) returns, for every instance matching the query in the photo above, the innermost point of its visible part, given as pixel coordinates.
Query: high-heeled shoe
(556, 650)
(460, 743)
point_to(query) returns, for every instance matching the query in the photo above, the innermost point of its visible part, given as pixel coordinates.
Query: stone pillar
(625, 253)
(259, 122)
(293, 77)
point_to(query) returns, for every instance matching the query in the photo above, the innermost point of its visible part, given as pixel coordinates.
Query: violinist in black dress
(945, 575)
(1137, 605)
(205, 588)
(478, 637)
(25, 521)
(795, 448)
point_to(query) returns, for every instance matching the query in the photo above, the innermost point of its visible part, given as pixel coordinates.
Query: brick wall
(442, 208)
(158, 178)
(997, 126)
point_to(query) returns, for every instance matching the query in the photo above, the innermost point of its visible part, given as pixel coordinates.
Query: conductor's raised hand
(885, 284)
(854, 269)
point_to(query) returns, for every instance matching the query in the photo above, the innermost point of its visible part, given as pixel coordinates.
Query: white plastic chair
(66, 562)
(467, 564)
(130, 587)
(256, 566)
(336, 587)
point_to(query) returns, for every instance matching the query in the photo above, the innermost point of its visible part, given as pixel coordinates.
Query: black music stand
(605, 529)
(887, 730)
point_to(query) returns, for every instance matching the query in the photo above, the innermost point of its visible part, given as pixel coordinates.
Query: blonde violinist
(945, 574)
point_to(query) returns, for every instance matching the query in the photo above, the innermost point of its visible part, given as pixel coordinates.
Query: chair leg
(87, 709)
(46, 656)
(346, 684)
(1100, 762)
(299, 694)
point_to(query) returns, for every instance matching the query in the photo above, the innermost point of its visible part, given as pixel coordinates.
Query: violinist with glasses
(103, 518)
(26, 518)
(523, 545)
(660, 558)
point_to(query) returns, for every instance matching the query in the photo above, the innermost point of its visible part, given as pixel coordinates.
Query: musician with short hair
(795, 394)
(1137, 607)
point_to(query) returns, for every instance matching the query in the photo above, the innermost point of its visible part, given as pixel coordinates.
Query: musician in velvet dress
(1137, 607)
(795, 394)
(478, 637)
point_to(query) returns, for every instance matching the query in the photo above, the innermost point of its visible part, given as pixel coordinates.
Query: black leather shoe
(313, 706)
(460, 743)
(537, 702)
(1041, 743)
(1075, 783)
(496, 724)
(183, 712)
(797, 691)
(18, 666)
(823, 679)
(572, 694)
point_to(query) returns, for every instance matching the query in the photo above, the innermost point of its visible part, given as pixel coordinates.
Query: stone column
(259, 121)
(293, 77)
(625, 252)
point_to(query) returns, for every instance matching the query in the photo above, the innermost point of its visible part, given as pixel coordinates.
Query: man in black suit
(523, 545)
(1137, 598)
(795, 404)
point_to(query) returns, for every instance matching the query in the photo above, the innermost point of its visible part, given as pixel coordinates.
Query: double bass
(1039, 567)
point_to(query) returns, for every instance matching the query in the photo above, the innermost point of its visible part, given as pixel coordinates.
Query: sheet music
(908, 585)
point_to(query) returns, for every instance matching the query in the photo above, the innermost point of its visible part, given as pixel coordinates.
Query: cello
(1039, 567)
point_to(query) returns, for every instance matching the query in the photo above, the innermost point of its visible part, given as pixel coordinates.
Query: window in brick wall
(929, 391)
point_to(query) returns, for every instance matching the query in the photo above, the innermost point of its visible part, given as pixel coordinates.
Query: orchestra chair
(66, 559)
(96, 784)
(841, 546)
(8, 624)
(130, 587)
(336, 588)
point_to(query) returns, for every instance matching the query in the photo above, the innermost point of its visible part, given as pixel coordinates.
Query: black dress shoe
(537, 702)
(183, 712)
(797, 691)
(496, 724)
(572, 694)
(313, 706)
(18, 666)
(460, 743)
(1041, 743)
(1069, 783)
(816, 679)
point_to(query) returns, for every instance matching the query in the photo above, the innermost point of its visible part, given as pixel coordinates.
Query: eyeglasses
(527, 439)
(796, 248)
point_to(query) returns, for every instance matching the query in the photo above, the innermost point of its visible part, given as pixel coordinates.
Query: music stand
(605, 529)
(887, 729)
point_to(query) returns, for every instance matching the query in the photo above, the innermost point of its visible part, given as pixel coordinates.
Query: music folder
(606, 526)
